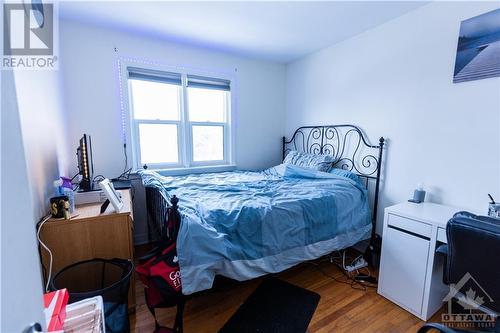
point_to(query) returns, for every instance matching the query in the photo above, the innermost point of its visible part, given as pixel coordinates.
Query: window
(179, 120)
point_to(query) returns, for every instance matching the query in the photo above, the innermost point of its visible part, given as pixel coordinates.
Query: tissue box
(55, 309)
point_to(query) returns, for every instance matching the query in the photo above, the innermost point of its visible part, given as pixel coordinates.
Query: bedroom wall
(396, 81)
(44, 131)
(33, 154)
(92, 97)
(91, 82)
(21, 283)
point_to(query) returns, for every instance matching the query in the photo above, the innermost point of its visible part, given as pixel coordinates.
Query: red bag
(159, 270)
(160, 273)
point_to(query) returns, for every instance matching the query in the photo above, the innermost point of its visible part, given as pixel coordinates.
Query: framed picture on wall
(478, 50)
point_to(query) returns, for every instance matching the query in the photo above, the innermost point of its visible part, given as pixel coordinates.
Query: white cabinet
(404, 283)
(410, 273)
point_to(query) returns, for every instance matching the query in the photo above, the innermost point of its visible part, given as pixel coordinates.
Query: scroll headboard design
(348, 146)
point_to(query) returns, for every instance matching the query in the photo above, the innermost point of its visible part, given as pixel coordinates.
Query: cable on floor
(356, 281)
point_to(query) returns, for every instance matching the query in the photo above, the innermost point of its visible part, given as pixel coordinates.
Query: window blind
(195, 81)
(152, 75)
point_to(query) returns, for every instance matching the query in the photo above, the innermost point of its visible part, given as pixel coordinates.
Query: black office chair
(472, 264)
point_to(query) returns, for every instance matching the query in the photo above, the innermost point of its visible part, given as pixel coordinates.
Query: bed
(246, 224)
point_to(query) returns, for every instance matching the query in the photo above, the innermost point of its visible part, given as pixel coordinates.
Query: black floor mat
(274, 307)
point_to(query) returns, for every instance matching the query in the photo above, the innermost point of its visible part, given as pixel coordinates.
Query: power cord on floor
(40, 225)
(318, 267)
(362, 279)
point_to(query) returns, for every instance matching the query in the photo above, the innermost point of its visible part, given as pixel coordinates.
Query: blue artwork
(478, 51)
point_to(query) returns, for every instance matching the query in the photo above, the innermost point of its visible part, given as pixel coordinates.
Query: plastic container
(58, 187)
(71, 198)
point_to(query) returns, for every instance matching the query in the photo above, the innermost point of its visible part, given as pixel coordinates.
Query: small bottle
(418, 194)
(58, 188)
(67, 189)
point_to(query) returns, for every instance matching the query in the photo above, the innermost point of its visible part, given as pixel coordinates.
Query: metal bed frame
(346, 143)
(350, 150)
(161, 207)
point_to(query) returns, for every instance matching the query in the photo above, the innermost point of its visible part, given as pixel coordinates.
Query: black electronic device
(85, 163)
(120, 184)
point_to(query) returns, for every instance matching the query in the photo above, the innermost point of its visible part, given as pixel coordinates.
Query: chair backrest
(474, 256)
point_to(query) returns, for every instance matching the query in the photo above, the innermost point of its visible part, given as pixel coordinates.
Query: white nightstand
(410, 272)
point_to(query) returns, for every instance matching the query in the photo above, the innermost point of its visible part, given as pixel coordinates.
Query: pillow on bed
(311, 161)
(345, 173)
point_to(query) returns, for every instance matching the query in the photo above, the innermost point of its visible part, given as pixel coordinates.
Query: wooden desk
(89, 235)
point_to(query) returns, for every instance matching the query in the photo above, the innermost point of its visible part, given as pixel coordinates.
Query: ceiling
(277, 31)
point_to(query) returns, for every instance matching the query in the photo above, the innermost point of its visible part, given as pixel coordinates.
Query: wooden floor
(341, 308)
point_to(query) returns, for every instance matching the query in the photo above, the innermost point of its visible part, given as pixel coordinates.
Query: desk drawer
(441, 236)
(410, 225)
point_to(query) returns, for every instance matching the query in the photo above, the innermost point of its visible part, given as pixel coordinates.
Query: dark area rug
(274, 307)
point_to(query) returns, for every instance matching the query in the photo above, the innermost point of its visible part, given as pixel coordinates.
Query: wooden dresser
(89, 234)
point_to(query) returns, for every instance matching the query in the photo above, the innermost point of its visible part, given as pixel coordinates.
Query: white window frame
(186, 163)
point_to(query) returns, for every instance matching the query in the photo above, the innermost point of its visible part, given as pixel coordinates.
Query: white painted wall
(44, 130)
(91, 82)
(89, 64)
(34, 154)
(21, 284)
(396, 81)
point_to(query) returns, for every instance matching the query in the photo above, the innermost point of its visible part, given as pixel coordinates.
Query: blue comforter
(246, 224)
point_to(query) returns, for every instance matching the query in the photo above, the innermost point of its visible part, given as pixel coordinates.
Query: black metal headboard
(348, 146)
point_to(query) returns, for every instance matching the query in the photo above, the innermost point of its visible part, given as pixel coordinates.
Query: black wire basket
(108, 278)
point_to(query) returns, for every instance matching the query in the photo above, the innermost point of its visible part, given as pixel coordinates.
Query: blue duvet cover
(246, 224)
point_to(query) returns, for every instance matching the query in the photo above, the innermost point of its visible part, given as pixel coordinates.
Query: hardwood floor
(341, 308)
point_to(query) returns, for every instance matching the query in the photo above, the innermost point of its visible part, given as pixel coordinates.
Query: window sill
(195, 170)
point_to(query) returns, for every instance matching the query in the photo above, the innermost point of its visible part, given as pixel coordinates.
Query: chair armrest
(443, 250)
(435, 326)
